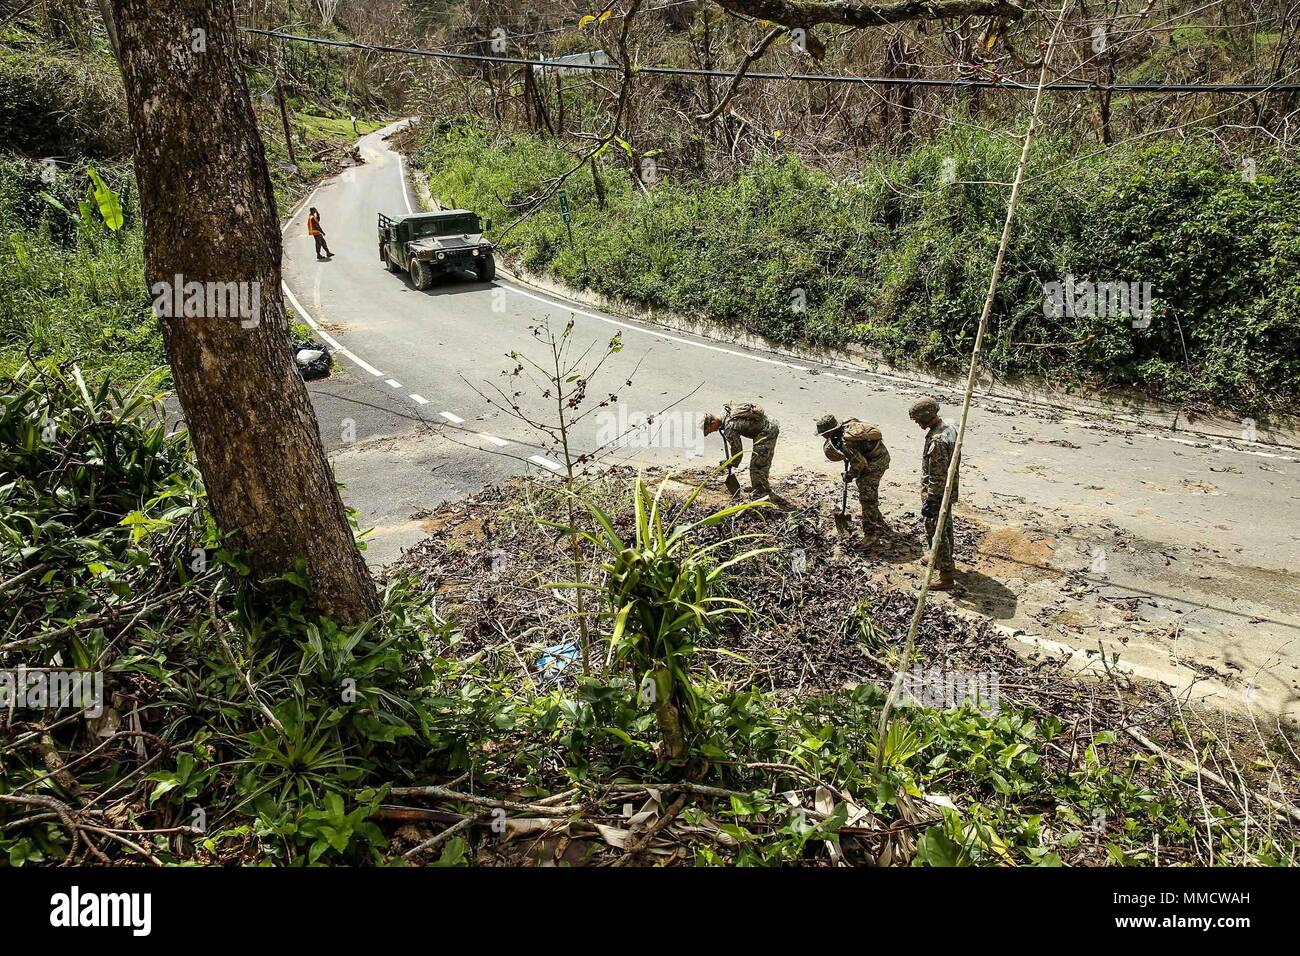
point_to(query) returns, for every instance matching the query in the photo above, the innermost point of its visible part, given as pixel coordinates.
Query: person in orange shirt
(316, 232)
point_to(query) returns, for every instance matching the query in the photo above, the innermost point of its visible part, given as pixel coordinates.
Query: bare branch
(750, 56)
(807, 13)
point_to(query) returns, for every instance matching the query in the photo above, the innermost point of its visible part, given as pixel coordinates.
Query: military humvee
(428, 244)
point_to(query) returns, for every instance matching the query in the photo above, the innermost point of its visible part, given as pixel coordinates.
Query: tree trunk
(109, 26)
(209, 217)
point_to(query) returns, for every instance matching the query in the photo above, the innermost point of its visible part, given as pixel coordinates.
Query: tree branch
(750, 56)
(808, 13)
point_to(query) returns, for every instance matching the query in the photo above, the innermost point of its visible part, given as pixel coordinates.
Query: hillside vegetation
(897, 260)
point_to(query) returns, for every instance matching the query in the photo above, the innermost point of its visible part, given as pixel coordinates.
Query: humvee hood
(469, 240)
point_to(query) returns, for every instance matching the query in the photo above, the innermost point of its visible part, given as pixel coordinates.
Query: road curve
(1198, 537)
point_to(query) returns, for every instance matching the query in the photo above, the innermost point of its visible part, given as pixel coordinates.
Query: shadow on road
(989, 596)
(976, 591)
(453, 283)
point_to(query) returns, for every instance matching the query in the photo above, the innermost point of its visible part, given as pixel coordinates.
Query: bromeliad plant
(661, 597)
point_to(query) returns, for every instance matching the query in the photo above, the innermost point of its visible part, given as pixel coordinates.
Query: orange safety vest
(313, 226)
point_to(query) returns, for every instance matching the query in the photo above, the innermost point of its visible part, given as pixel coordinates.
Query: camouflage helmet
(827, 423)
(924, 410)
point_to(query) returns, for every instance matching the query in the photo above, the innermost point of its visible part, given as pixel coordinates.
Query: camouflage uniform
(940, 443)
(750, 421)
(868, 460)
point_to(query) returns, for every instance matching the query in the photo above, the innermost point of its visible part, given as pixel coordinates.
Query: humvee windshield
(444, 226)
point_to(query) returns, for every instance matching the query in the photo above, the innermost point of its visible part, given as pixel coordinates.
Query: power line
(1060, 87)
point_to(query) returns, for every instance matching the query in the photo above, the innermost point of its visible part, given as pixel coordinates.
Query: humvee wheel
(421, 275)
(486, 268)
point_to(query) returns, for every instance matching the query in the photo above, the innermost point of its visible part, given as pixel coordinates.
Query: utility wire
(1058, 87)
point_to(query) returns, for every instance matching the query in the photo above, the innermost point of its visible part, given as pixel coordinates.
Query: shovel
(842, 523)
(733, 483)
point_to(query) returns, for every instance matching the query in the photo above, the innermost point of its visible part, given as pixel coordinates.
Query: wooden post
(284, 118)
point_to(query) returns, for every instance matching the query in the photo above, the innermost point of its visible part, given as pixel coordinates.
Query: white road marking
(394, 383)
(329, 339)
(454, 419)
(420, 399)
(1257, 454)
(1207, 443)
(499, 442)
(401, 171)
(658, 334)
(360, 361)
(545, 462)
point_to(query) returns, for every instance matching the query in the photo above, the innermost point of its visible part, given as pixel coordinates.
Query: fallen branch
(1210, 775)
(442, 793)
(637, 846)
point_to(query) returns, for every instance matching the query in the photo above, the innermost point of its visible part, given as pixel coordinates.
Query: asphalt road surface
(1176, 553)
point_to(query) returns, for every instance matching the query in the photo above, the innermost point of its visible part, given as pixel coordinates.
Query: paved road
(1185, 548)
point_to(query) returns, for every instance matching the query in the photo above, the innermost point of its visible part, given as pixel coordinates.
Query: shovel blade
(842, 523)
(733, 484)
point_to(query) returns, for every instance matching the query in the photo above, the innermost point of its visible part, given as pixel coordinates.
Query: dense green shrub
(72, 289)
(899, 259)
(62, 106)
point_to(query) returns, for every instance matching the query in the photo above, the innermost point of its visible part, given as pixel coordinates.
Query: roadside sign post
(564, 213)
(568, 223)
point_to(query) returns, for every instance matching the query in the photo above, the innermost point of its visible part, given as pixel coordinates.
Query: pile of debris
(821, 621)
(312, 358)
(825, 616)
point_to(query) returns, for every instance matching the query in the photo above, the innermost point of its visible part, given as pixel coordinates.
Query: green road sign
(564, 206)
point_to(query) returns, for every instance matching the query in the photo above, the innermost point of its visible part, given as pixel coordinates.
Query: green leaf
(110, 206)
(936, 848)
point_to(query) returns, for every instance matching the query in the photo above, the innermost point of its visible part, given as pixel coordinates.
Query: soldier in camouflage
(940, 446)
(861, 445)
(748, 420)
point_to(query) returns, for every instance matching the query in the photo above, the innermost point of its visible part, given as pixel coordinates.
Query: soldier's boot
(873, 535)
(942, 581)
